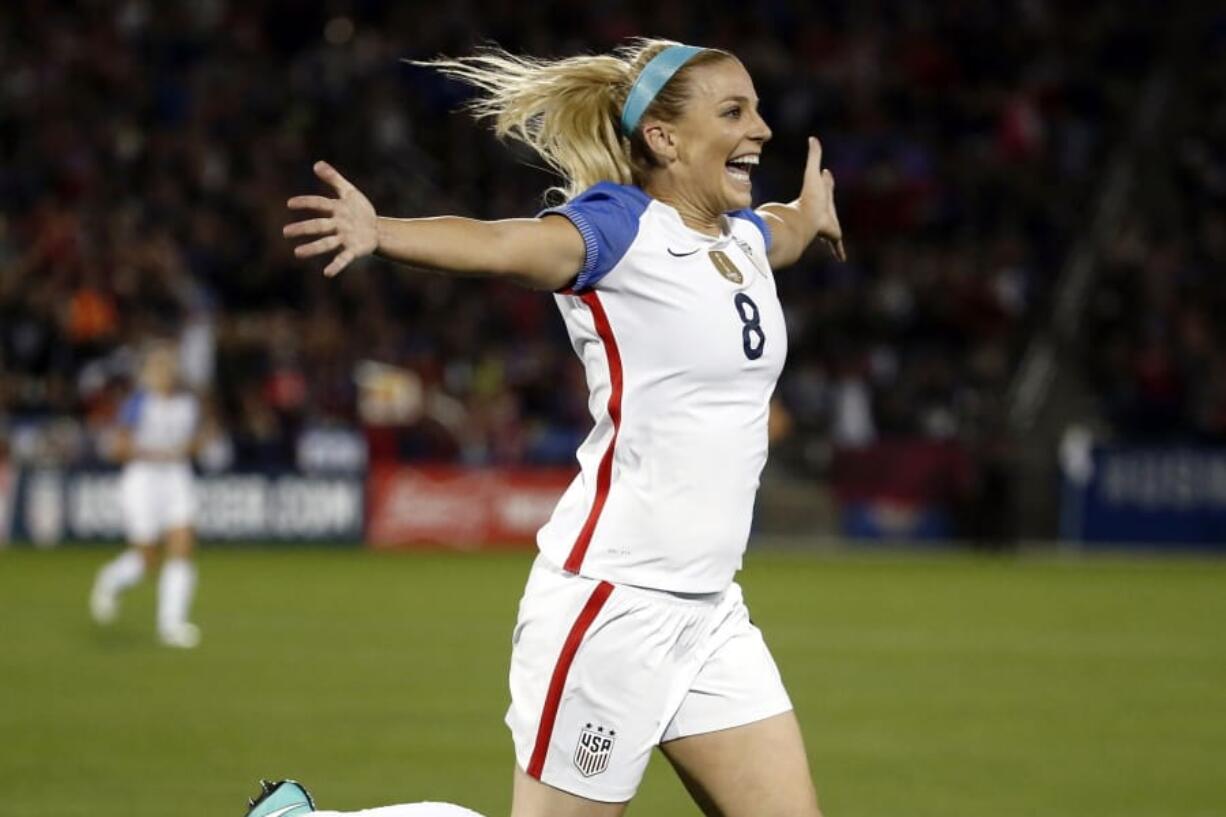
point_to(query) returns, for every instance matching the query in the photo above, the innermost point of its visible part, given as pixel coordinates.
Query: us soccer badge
(725, 266)
(592, 753)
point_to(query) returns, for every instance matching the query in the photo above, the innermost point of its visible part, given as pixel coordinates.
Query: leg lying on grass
(406, 810)
(288, 798)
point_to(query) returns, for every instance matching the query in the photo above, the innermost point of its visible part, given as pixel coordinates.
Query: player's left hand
(817, 201)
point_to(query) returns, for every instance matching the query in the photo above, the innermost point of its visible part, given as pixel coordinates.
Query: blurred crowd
(1156, 350)
(148, 149)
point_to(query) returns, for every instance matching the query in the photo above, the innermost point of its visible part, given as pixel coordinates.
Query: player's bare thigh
(532, 798)
(180, 542)
(756, 770)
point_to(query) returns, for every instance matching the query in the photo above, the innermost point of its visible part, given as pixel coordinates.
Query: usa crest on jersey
(592, 753)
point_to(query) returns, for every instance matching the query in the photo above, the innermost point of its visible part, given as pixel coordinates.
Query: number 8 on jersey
(753, 339)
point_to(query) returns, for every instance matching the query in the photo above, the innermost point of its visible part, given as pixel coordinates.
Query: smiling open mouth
(740, 167)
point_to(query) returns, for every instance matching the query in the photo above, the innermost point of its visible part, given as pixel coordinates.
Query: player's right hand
(350, 226)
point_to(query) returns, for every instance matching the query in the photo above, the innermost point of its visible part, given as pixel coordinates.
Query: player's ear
(661, 140)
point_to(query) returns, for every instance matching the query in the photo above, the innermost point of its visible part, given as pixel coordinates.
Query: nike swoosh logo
(281, 811)
(680, 254)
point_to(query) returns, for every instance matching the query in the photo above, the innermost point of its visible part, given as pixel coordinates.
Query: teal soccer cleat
(285, 798)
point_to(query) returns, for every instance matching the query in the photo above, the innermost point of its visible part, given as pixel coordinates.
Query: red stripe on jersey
(604, 474)
(557, 684)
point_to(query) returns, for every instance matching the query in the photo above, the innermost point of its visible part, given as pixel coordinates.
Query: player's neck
(693, 215)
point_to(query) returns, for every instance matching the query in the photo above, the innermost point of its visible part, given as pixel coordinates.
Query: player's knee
(180, 543)
(804, 803)
(792, 808)
(149, 555)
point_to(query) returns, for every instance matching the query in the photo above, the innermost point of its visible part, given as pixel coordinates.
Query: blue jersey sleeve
(752, 216)
(607, 216)
(129, 412)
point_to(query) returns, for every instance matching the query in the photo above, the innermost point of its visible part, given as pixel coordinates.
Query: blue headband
(654, 76)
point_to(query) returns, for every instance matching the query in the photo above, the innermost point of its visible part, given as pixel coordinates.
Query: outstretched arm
(794, 225)
(542, 253)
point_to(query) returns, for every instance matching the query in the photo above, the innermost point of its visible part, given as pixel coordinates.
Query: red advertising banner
(906, 471)
(460, 508)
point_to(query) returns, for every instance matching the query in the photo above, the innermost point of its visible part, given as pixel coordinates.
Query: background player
(159, 431)
(632, 632)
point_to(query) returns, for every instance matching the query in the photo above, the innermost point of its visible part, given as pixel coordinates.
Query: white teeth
(739, 166)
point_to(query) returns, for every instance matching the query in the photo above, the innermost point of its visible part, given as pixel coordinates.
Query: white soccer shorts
(601, 674)
(156, 497)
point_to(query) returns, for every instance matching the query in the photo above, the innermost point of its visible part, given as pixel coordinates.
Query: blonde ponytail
(568, 110)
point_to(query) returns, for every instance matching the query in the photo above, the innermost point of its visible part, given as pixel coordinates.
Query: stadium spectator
(1154, 352)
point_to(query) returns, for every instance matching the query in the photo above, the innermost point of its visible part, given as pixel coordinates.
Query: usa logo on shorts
(592, 753)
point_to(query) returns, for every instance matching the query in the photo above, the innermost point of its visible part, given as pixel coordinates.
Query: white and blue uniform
(632, 631)
(682, 339)
(158, 494)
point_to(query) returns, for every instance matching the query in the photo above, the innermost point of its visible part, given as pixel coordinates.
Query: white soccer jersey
(158, 494)
(160, 423)
(682, 338)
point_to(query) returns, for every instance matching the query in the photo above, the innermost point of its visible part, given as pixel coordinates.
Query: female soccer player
(632, 633)
(159, 431)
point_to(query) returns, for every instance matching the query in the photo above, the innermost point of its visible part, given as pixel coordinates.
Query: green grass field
(933, 685)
